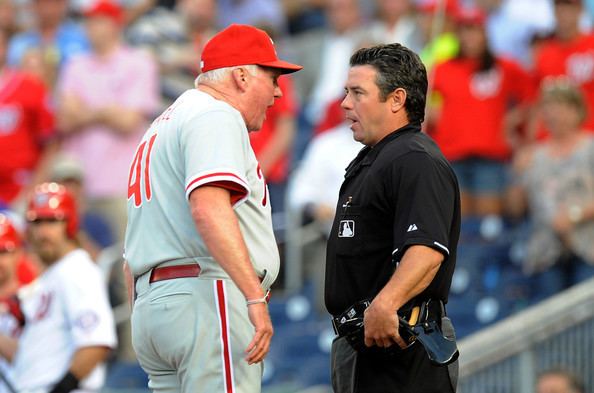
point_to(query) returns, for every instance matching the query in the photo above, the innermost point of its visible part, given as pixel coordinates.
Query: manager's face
(263, 91)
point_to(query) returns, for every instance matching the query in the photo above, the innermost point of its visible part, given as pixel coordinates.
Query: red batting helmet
(53, 200)
(9, 237)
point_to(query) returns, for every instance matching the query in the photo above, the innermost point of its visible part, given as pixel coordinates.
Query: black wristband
(67, 384)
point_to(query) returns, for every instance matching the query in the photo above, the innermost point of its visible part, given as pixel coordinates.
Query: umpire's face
(372, 119)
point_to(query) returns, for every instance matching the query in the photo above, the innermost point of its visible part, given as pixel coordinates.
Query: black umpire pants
(407, 371)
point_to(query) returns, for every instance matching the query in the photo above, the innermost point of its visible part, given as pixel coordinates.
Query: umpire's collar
(369, 153)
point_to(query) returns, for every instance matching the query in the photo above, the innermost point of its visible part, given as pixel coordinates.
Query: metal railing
(297, 237)
(506, 357)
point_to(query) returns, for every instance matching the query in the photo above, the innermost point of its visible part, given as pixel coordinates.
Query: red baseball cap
(431, 6)
(106, 8)
(471, 16)
(242, 45)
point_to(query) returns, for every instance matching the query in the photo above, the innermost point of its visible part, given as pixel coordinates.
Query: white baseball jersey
(9, 326)
(66, 309)
(198, 140)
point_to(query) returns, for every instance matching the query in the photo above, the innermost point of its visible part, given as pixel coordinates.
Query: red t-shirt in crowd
(284, 106)
(474, 105)
(574, 59)
(26, 122)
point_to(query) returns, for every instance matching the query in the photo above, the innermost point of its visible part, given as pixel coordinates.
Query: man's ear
(239, 76)
(398, 99)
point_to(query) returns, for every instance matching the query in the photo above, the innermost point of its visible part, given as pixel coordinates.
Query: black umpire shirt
(398, 193)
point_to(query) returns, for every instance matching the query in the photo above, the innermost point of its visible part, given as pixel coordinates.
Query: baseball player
(199, 240)
(11, 317)
(69, 328)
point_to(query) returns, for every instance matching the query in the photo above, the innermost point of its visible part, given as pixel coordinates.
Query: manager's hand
(260, 344)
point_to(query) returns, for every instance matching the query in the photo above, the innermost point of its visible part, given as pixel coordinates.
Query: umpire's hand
(381, 325)
(260, 345)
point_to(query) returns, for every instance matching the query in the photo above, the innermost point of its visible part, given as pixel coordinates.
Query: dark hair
(397, 67)
(487, 59)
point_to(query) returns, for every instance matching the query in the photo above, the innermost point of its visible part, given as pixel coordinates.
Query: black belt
(426, 323)
(352, 319)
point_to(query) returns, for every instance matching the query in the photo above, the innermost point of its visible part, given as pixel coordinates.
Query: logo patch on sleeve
(87, 321)
(346, 228)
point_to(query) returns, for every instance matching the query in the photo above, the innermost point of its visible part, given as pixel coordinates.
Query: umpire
(394, 237)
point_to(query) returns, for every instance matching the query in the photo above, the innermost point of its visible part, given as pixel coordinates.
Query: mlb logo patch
(346, 228)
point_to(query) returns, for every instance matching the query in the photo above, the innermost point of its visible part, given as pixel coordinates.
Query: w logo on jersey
(486, 84)
(43, 307)
(580, 67)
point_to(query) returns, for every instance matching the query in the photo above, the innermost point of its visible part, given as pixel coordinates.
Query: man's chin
(47, 256)
(255, 127)
(357, 135)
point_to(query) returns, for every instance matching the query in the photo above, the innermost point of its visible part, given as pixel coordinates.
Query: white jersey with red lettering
(66, 309)
(198, 140)
(10, 327)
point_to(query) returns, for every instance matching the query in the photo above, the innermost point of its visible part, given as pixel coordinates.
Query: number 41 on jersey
(137, 172)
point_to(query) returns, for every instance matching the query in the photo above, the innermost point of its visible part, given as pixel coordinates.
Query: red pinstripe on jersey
(198, 179)
(230, 181)
(147, 179)
(225, 336)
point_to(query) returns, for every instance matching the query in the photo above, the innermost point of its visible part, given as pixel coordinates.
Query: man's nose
(346, 102)
(278, 93)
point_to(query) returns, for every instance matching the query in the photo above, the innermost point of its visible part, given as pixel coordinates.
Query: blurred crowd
(511, 106)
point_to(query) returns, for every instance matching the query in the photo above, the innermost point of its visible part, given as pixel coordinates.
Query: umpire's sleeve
(425, 192)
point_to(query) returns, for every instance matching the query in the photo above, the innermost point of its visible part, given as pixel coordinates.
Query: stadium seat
(126, 375)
